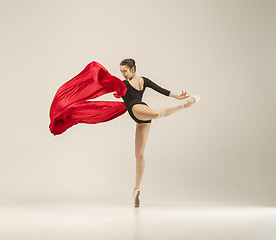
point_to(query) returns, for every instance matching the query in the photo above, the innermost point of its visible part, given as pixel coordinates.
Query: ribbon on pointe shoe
(136, 194)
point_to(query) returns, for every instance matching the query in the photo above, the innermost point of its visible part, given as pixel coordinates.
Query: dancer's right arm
(164, 91)
(156, 87)
(179, 96)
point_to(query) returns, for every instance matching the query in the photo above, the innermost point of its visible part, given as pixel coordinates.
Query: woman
(70, 106)
(142, 114)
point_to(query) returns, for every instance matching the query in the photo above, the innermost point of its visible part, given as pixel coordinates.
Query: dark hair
(129, 62)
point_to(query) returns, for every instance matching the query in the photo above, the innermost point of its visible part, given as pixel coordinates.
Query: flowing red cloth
(70, 106)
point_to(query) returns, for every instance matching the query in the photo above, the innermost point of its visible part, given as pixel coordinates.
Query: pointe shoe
(197, 98)
(191, 101)
(136, 194)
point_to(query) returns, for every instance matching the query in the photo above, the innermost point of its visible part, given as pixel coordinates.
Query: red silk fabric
(70, 106)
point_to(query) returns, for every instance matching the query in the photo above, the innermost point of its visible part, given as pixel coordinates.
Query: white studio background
(222, 149)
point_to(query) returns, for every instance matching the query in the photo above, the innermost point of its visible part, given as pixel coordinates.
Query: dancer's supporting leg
(141, 136)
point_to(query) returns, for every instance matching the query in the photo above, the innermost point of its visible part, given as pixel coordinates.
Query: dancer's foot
(136, 194)
(197, 98)
(191, 101)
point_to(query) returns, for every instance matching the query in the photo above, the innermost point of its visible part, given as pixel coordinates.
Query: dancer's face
(126, 71)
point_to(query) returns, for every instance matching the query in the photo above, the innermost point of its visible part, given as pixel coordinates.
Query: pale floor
(191, 221)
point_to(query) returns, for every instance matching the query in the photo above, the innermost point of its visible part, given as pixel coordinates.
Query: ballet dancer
(70, 106)
(142, 114)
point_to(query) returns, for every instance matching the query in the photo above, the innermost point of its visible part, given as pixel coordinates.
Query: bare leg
(166, 111)
(140, 166)
(143, 112)
(142, 132)
(141, 136)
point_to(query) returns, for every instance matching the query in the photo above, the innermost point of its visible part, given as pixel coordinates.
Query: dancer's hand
(182, 96)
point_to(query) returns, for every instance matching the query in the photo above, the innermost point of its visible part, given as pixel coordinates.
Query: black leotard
(134, 96)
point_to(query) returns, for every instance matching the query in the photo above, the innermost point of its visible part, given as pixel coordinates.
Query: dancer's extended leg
(166, 111)
(143, 112)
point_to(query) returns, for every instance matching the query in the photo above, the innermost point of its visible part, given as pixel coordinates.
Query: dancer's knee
(157, 114)
(139, 156)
